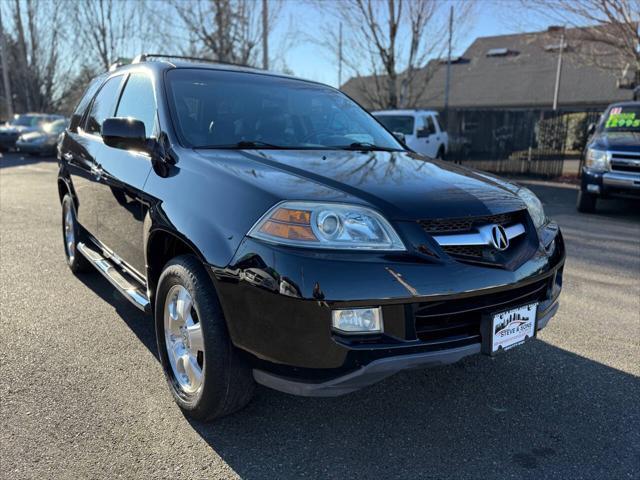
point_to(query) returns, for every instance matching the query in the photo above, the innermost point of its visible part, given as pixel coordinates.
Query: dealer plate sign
(513, 327)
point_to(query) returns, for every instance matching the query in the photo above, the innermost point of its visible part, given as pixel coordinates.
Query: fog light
(357, 320)
(593, 188)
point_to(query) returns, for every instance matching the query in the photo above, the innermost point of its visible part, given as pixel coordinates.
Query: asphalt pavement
(82, 394)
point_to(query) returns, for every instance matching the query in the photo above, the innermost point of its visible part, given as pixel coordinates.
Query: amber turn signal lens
(287, 215)
(288, 231)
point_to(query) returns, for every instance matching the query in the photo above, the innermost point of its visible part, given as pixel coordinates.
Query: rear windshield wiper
(367, 147)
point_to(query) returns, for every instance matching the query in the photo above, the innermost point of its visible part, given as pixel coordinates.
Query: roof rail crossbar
(145, 57)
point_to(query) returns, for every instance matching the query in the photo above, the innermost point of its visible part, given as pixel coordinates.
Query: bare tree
(33, 40)
(390, 42)
(609, 37)
(110, 29)
(230, 30)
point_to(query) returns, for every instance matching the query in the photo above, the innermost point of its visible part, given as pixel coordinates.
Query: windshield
(25, 121)
(55, 127)
(223, 109)
(624, 118)
(397, 123)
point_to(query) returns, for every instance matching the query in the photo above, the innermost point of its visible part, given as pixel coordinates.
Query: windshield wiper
(366, 147)
(248, 144)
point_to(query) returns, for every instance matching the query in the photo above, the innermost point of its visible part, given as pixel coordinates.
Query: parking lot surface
(82, 394)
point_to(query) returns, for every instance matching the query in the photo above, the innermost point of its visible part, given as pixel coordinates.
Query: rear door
(122, 178)
(76, 148)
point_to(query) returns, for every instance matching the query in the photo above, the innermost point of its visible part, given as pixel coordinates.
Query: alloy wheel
(69, 233)
(184, 340)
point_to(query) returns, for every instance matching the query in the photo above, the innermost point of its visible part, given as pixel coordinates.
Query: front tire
(586, 202)
(205, 373)
(70, 234)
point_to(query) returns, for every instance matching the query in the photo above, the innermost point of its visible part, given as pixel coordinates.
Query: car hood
(32, 136)
(14, 129)
(620, 141)
(402, 185)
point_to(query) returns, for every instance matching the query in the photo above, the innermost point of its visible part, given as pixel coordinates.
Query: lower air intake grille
(444, 323)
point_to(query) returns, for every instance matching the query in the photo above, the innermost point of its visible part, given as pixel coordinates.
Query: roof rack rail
(145, 57)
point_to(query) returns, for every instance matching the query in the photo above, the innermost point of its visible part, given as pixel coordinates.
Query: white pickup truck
(420, 128)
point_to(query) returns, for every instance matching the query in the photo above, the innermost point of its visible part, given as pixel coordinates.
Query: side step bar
(131, 289)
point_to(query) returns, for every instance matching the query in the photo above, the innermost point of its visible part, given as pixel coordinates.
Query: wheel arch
(161, 245)
(65, 187)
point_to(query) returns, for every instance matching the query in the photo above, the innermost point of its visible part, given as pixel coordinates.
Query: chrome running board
(123, 282)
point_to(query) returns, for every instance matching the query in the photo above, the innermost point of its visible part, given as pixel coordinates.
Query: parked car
(22, 124)
(278, 234)
(611, 161)
(421, 129)
(44, 141)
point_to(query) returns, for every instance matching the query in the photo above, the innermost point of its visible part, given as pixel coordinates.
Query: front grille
(449, 323)
(465, 224)
(520, 247)
(625, 161)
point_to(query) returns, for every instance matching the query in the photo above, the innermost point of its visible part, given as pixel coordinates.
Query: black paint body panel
(277, 300)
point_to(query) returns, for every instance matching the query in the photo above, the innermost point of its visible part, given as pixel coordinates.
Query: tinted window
(76, 118)
(220, 108)
(397, 123)
(103, 105)
(429, 125)
(25, 121)
(138, 102)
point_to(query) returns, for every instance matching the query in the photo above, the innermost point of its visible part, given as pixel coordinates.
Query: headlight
(534, 206)
(327, 225)
(597, 159)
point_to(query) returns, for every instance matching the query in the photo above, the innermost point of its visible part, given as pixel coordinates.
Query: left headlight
(534, 206)
(327, 225)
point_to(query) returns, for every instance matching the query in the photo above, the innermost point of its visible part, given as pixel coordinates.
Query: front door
(427, 143)
(123, 175)
(79, 151)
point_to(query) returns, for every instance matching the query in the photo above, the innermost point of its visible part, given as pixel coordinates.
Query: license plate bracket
(506, 329)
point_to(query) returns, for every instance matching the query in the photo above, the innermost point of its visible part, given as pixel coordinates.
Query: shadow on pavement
(537, 411)
(19, 159)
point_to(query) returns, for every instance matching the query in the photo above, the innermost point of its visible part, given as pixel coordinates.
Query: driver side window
(428, 127)
(103, 105)
(137, 101)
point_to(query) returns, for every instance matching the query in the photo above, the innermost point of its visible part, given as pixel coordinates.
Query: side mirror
(124, 133)
(591, 129)
(400, 137)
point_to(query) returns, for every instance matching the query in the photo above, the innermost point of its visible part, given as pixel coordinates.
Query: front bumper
(278, 305)
(611, 183)
(28, 147)
(8, 140)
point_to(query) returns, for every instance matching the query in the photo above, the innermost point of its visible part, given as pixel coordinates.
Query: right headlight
(534, 206)
(597, 159)
(327, 225)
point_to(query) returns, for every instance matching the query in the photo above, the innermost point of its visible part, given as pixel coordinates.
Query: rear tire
(70, 235)
(586, 202)
(206, 375)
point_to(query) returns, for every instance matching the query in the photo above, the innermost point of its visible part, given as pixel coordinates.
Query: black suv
(279, 234)
(611, 161)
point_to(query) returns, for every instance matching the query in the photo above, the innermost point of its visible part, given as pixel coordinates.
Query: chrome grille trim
(482, 237)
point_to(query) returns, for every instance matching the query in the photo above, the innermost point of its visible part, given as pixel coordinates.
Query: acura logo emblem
(499, 238)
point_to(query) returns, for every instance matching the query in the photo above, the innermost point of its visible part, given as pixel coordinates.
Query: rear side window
(104, 105)
(138, 102)
(91, 90)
